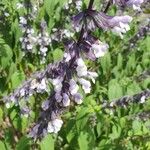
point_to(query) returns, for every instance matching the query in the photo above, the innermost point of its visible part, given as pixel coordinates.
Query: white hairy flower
(123, 26)
(67, 57)
(81, 68)
(99, 49)
(54, 126)
(57, 83)
(73, 87)
(78, 98)
(66, 100)
(86, 85)
(92, 76)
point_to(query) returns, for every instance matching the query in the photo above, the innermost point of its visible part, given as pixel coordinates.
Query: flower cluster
(43, 41)
(129, 3)
(70, 77)
(29, 39)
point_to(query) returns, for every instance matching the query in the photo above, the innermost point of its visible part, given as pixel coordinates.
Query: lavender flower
(134, 3)
(54, 126)
(94, 19)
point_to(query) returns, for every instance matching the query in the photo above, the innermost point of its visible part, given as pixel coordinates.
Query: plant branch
(127, 100)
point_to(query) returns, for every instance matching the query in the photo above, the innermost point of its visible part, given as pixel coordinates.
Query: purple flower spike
(129, 3)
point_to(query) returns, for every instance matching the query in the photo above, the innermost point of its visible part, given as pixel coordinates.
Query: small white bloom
(67, 57)
(86, 85)
(7, 105)
(57, 83)
(99, 49)
(19, 5)
(78, 98)
(67, 33)
(45, 105)
(22, 20)
(43, 49)
(123, 26)
(142, 99)
(66, 100)
(78, 4)
(58, 97)
(92, 76)
(41, 86)
(6, 14)
(33, 84)
(22, 92)
(81, 68)
(54, 126)
(73, 87)
(29, 46)
(112, 104)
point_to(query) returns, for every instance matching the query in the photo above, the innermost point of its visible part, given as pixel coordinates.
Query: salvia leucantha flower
(93, 19)
(129, 3)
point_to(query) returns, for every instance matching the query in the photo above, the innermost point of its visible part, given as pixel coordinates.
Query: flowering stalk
(70, 76)
(127, 100)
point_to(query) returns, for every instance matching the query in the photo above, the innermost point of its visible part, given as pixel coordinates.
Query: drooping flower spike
(94, 19)
(129, 3)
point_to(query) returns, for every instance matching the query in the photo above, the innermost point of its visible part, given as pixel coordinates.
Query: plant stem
(108, 5)
(82, 30)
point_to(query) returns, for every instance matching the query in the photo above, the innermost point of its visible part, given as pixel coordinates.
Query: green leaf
(47, 143)
(23, 144)
(2, 146)
(114, 89)
(82, 118)
(49, 6)
(137, 127)
(70, 130)
(17, 78)
(83, 141)
(106, 63)
(57, 54)
(133, 88)
(1, 116)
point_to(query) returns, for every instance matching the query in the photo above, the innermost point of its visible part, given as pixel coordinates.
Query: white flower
(57, 83)
(6, 14)
(123, 26)
(81, 68)
(22, 92)
(142, 99)
(41, 86)
(66, 100)
(99, 49)
(33, 84)
(78, 4)
(7, 105)
(92, 76)
(22, 20)
(29, 46)
(54, 126)
(78, 98)
(19, 5)
(45, 105)
(73, 87)
(58, 97)
(86, 85)
(67, 57)
(43, 49)
(67, 33)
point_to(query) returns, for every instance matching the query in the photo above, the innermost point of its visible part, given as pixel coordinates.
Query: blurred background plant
(32, 33)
